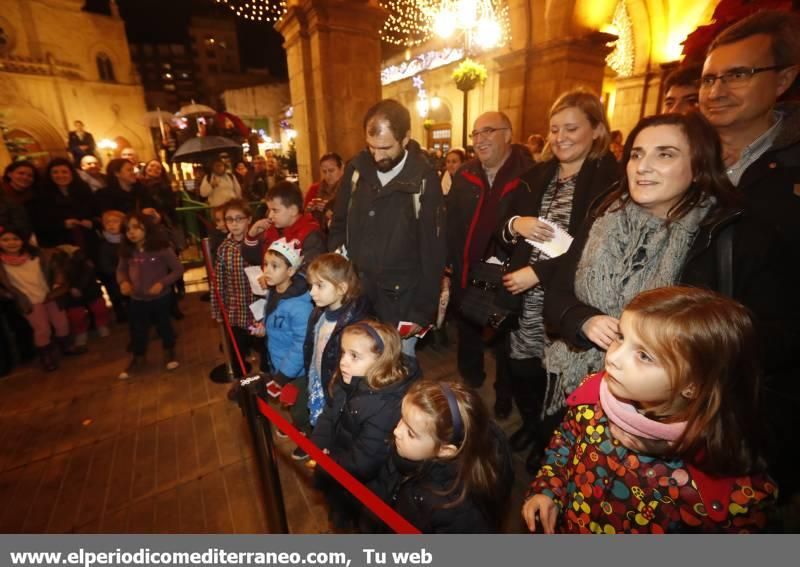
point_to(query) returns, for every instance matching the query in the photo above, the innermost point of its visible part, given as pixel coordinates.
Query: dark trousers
(528, 385)
(144, 313)
(471, 346)
(243, 340)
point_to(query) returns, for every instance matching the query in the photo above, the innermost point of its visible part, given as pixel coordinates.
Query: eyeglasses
(734, 78)
(476, 134)
(235, 219)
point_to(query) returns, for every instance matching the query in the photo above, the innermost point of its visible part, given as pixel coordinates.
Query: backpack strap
(353, 186)
(417, 197)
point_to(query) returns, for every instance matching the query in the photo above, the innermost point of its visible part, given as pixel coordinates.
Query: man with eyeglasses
(477, 203)
(389, 217)
(747, 68)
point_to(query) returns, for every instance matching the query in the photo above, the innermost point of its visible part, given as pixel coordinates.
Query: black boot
(48, 358)
(68, 348)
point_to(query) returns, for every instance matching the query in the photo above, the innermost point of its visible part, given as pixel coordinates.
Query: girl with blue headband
(450, 470)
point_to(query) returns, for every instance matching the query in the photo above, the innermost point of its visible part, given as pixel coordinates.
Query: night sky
(168, 20)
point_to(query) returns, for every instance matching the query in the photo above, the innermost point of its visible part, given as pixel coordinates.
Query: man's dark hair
(391, 111)
(332, 156)
(287, 193)
(781, 27)
(688, 76)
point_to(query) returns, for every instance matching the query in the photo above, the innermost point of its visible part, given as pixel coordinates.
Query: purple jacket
(144, 268)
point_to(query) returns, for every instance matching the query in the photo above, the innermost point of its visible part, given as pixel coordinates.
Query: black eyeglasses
(736, 77)
(235, 219)
(475, 134)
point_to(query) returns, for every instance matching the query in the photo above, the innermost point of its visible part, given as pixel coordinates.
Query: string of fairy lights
(256, 10)
(408, 24)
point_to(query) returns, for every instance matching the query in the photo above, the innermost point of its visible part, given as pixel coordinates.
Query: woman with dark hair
(19, 183)
(319, 197)
(124, 192)
(673, 219)
(555, 192)
(452, 161)
(62, 211)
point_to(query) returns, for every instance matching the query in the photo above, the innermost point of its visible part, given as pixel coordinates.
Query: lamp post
(479, 25)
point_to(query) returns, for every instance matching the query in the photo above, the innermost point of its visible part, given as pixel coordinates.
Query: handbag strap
(725, 261)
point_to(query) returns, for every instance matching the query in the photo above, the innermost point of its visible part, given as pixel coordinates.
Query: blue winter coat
(286, 321)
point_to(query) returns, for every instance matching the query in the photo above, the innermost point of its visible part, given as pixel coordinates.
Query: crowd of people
(647, 334)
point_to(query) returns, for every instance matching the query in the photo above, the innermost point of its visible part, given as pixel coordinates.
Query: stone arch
(8, 37)
(49, 138)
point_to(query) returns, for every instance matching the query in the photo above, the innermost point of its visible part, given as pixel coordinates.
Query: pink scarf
(14, 259)
(631, 421)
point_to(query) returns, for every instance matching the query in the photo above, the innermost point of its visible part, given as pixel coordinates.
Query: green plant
(427, 123)
(468, 74)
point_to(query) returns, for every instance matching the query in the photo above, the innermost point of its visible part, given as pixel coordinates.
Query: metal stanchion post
(261, 429)
(224, 372)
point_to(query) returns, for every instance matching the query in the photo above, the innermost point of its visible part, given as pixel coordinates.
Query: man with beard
(388, 216)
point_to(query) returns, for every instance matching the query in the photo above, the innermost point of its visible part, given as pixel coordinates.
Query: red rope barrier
(368, 498)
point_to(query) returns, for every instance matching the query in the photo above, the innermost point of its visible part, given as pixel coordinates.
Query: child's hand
(262, 281)
(326, 451)
(125, 288)
(155, 289)
(545, 508)
(259, 227)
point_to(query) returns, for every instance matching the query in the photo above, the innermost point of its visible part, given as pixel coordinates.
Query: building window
(105, 68)
(169, 87)
(5, 42)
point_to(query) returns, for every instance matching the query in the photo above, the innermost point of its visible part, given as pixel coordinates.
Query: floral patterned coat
(600, 486)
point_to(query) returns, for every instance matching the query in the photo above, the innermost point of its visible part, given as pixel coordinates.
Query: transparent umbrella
(202, 148)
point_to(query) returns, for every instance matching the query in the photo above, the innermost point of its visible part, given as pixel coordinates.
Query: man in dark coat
(477, 203)
(389, 217)
(748, 66)
(80, 143)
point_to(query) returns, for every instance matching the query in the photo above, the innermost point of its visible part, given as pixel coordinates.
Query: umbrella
(196, 110)
(204, 147)
(240, 126)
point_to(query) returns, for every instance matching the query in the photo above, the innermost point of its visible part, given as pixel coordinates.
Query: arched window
(105, 68)
(5, 42)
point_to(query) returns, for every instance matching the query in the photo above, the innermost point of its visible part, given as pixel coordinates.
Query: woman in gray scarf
(660, 227)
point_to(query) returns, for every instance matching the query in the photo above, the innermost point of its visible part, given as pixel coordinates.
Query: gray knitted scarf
(628, 251)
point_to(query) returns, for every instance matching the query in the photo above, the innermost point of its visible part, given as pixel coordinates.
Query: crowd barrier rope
(261, 416)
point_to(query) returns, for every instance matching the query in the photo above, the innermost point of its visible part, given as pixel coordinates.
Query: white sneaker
(103, 332)
(172, 365)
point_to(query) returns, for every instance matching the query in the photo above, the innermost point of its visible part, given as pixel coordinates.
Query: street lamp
(109, 146)
(479, 21)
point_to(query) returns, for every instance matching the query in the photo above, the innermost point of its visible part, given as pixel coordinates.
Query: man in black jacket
(477, 203)
(389, 217)
(748, 66)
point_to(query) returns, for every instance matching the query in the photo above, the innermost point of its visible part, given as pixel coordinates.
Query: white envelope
(558, 245)
(253, 273)
(257, 309)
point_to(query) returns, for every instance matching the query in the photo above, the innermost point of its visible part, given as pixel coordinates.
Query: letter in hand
(533, 229)
(543, 507)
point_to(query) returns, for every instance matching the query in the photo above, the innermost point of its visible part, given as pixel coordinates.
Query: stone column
(333, 49)
(532, 78)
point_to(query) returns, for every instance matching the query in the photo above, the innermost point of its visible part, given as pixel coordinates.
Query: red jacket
(601, 486)
(305, 230)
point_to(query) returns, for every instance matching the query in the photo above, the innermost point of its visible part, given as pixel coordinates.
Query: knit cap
(289, 250)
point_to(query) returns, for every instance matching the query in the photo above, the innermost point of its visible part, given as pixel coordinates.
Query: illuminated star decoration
(257, 10)
(417, 82)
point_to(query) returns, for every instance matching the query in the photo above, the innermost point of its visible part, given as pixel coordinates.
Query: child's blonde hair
(388, 368)
(337, 270)
(706, 340)
(478, 462)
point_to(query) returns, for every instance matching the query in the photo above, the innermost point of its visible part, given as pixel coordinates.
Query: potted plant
(427, 123)
(468, 74)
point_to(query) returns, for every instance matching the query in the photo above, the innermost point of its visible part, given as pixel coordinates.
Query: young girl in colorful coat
(450, 469)
(356, 426)
(336, 294)
(667, 438)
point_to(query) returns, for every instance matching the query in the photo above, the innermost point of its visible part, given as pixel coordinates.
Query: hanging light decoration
(256, 10)
(484, 24)
(622, 58)
(409, 22)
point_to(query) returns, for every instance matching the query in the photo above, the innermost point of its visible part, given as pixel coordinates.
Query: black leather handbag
(485, 301)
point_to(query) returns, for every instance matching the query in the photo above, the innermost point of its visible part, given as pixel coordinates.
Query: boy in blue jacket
(286, 320)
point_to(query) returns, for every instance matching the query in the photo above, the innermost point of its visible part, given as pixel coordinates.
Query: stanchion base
(220, 374)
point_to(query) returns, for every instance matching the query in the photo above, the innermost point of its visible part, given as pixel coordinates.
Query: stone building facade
(59, 64)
